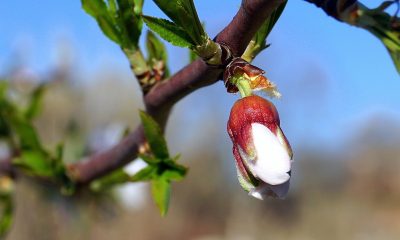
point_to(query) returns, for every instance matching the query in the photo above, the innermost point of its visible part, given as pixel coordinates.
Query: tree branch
(334, 8)
(163, 96)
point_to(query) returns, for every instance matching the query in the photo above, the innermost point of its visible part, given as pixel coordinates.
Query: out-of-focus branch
(6, 167)
(376, 21)
(335, 8)
(163, 96)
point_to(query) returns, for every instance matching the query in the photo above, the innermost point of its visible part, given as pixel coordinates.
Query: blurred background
(340, 111)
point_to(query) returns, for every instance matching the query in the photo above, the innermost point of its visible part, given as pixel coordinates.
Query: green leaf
(259, 41)
(110, 180)
(183, 13)
(161, 190)
(268, 25)
(154, 136)
(155, 48)
(138, 6)
(174, 171)
(169, 31)
(382, 25)
(129, 22)
(112, 7)
(147, 173)
(156, 52)
(27, 135)
(120, 20)
(35, 102)
(35, 163)
(149, 159)
(174, 175)
(99, 10)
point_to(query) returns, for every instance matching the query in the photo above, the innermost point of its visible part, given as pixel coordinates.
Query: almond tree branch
(163, 96)
(334, 8)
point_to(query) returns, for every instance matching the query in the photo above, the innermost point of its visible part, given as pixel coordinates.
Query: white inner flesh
(272, 162)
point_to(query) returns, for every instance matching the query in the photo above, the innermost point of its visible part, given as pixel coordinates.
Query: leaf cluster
(161, 168)
(185, 29)
(119, 20)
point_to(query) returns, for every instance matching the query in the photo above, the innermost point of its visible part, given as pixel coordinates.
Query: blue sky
(333, 77)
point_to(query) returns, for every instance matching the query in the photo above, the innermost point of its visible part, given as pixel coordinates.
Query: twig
(163, 96)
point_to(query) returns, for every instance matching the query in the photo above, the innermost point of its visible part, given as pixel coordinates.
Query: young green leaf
(174, 174)
(147, 173)
(35, 102)
(169, 31)
(259, 41)
(35, 163)
(27, 135)
(155, 48)
(161, 190)
(183, 13)
(382, 25)
(149, 159)
(119, 20)
(174, 171)
(268, 25)
(154, 136)
(129, 22)
(114, 178)
(157, 53)
(99, 10)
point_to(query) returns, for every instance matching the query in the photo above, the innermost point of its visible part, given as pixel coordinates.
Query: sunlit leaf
(384, 27)
(183, 13)
(99, 10)
(259, 41)
(119, 20)
(169, 31)
(129, 22)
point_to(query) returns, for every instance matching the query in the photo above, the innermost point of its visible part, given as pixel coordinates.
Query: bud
(263, 154)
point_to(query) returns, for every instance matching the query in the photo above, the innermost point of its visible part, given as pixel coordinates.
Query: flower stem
(244, 87)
